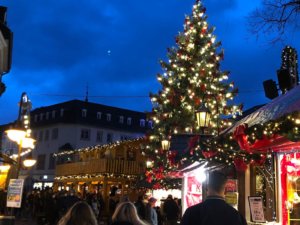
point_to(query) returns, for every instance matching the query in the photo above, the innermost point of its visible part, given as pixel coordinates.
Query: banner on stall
(14, 193)
(256, 209)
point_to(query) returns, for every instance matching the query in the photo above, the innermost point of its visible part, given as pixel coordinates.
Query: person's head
(79, 214)
(126, 212)
(216, 183)
(152, 201)
(170, 197)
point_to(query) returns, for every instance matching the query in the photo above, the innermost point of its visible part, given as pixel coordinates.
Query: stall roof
(284, 104)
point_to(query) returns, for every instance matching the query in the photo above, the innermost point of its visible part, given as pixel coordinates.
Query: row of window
(47, 115)
(45, 135)
(85, 135)
(41, 162)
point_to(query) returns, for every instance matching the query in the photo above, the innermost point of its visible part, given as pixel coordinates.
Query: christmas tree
(192, 77)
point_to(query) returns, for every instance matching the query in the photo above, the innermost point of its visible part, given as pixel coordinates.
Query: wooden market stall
(111, 169)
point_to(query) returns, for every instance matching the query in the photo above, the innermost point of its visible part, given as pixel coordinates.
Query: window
(142, 123)
(108, 117)
(46, 135)
(61, 112)
(150, 124)
(51, 162)
(35, 135)
(47, 115)
(35, 118)
(54, 133)
(121, 119)
(41, 135)
(85, 134)
(53, 114)
(83, 112)
(129, 120)
(99, 114)
(99, 136)
(41, 159)
(41, 116)
(109, 138)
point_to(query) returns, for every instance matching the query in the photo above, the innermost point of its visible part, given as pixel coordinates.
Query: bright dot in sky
(108, 52)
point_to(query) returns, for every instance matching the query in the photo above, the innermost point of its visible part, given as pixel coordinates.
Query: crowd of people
(70, 208)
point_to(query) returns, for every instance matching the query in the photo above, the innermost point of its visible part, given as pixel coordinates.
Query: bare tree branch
(274, 17)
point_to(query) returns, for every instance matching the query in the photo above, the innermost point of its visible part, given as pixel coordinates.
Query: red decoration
(203, 88)
(209, 154)
(203, 31)
(240, 164)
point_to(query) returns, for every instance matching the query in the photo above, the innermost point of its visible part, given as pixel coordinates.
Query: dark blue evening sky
(114, 47)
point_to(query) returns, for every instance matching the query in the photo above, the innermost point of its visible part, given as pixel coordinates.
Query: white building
(72, 125)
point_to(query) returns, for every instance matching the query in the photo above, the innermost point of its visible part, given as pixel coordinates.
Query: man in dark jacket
(214, 210)
(171, 211)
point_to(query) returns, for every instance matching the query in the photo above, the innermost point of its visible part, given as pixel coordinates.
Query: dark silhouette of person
(214, 210)
(140, 207)
(171, 210)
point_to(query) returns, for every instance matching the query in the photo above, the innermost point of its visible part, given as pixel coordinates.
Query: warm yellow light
(165, 144)
(16, 135)
(27, 143)
(29, 162)
(4, 168)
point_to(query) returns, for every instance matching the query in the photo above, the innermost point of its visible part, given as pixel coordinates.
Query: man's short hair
(217, 181)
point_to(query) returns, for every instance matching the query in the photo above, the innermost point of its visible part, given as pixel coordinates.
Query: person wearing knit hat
(151, 215)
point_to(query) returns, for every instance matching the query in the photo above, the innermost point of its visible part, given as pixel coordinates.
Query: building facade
(72, 125)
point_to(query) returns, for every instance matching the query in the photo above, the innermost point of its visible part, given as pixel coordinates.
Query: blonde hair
(126, 212)
(79, 214)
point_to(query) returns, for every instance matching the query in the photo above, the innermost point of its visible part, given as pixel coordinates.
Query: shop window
(263, 185)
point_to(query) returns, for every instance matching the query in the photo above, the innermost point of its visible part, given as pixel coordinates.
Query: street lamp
(20, 134)
(165, 144)
(203, 116)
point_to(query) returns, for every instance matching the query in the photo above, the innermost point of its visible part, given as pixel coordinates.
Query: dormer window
(41, 116)
(53, 114)
(61, 112)
(129, 120)
(142, 123)
(108, 117)
(99, 114)
(83, 112)
(150, 124)
(121, 119)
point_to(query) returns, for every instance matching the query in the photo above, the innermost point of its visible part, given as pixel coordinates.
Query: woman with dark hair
(79, 214)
